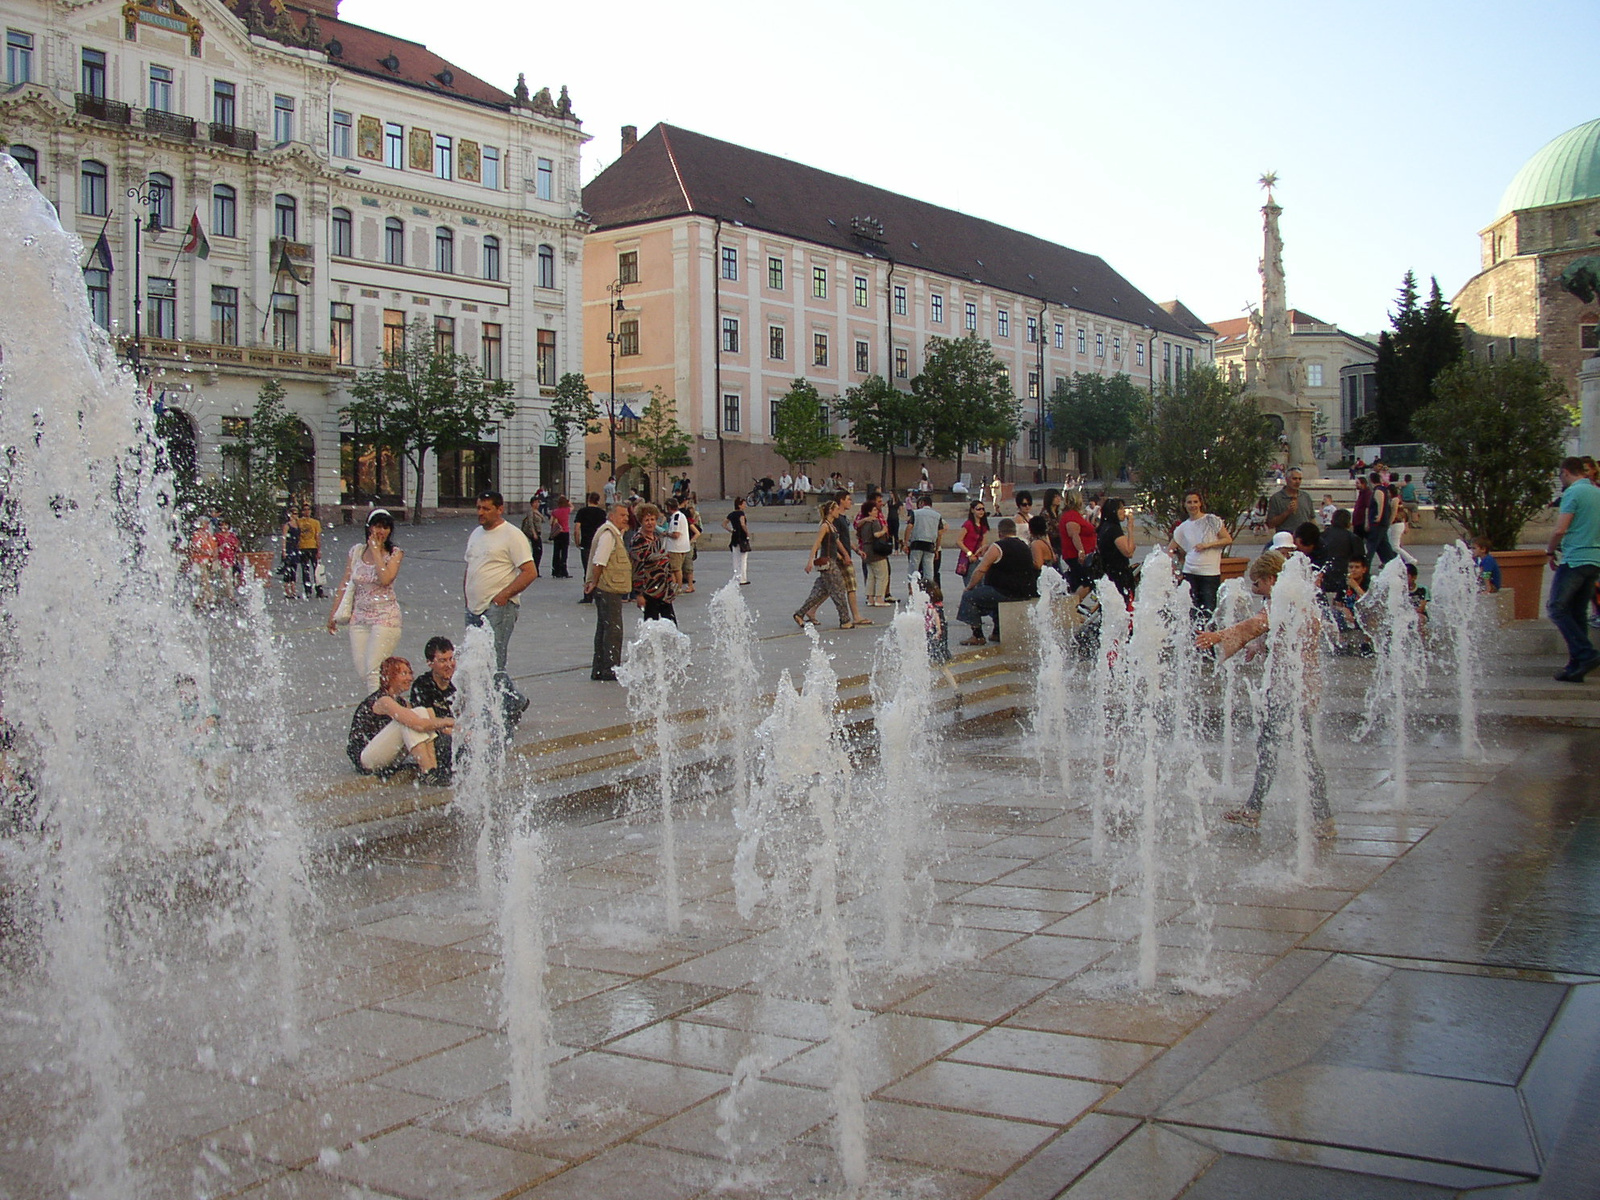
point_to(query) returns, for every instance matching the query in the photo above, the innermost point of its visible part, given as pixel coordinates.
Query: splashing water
(738, 698)
(1292, 686)
(655, 671)
(1458, 612)
(1052, 692)
(523, 1001)
(1397, 673)
(1108, 694)
(480, 759)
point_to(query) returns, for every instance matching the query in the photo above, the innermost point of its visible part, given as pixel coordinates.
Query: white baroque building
(348, 182)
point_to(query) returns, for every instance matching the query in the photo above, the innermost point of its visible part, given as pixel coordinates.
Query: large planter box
(1523, 571)
(259, 562)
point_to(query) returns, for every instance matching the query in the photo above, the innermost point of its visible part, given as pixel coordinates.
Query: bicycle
(761, 494)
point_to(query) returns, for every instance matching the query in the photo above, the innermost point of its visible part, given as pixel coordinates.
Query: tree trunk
(416, 506)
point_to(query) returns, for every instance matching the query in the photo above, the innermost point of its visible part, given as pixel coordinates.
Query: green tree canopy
(262, 454)
(658, 441)
(425, 399)
(1203, 434)
(1492, 442)
(572, 411)
(1096, 415)
(1424, 342)
(966, 397)
(802, 436)
(882, 418)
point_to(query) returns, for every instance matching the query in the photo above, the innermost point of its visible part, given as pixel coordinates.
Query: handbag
(963, 563)
(347, 598)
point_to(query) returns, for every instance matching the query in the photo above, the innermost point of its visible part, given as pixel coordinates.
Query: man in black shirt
(587, 521)
(434, 689)
(1335, 548)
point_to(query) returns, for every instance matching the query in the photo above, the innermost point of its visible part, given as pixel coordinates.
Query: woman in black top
(383, 729)
(739, 540)
(1116, 546)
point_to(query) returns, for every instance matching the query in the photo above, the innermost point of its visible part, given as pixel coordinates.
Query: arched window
(444, 251)
(92, 188)
(224, 211)
(491, 257)
(285, 218)
(343, 233)
(159, 189)
(28, 159)
(394, 242)
(547, 266)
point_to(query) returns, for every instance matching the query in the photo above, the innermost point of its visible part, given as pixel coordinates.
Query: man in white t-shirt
(499, 567)
(785, 488)
(679, 546)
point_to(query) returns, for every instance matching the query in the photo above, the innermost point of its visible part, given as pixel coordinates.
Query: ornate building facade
(722, 274)
(347, 183)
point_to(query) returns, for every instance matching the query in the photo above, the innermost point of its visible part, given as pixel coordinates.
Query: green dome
(1566, 169)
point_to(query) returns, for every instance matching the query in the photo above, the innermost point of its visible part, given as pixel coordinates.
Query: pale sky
(1135, 132)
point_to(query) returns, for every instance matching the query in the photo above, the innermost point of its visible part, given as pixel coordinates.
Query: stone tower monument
(1271, 369)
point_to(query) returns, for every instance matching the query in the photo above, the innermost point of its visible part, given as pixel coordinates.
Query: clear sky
(1135, 132)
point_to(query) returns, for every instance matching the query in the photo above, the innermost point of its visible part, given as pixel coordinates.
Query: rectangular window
(819, 282)
(394, 242)
(343, 131)
(282, 119)
(772, 416)
(161, 88)
(343, 242)
(730, 413)
(1116, 348)
(98, 281)
(819, 349)
(1033, 330)
(1188, 358)
(394, 146)
(775, 274)
(545, 356)
(225, 316)
(1313, 374)
(627, 338)
(861, 291)
(936, 309)
(444, 335)
(902, 362)
(444, 251)
(285, 322)
(493, 351)
(1033, 385)
(491, 168)
(730, 262)
(1099, 345)
(730, 335)
(1082, 348)
(19, 56)
(628, 267)
(93, 189)
(863, 357)
(444, 157)
(825, 421)
(899, 300)
(545, 179)
(394, 335)
(1061, 336)
(1166, 362)
(1002, 324)
(342, 333)
(92, 78)
(1138, 353)
(1589, 336)
(972, 316)
(224, 103)
(491, 257)
(161, 303)
(775, 342)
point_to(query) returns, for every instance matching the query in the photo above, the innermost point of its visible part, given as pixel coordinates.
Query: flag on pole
(100, 256)
(285, 267)
(196, 242)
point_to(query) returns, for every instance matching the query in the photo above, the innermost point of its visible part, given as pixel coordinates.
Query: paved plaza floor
(1416, 1015)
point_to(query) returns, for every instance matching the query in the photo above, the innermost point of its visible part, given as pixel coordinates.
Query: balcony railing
(252, 358)
(232, 135)
(170, 124)
(102, 109)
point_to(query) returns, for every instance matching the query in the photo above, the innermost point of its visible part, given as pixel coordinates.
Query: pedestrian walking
(365, 598)
(829, 564)
(560, 537)
(533, 530)
(310, 549)
(925, 539)
(1574, 554)
(654, 585)
(499, 568)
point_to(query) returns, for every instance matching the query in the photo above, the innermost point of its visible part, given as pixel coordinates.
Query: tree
(269, 444)
(966, 397)
(802, 435)
(1493, 438)
(1202, 434)
(1424, 342)
(658, 441)
(572, 409)
(1096, 416)
(882, 419)
(263, 455)
(425, 398)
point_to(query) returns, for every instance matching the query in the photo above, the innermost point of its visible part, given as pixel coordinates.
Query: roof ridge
(672, 158)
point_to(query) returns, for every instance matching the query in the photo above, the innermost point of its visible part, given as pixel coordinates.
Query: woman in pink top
(374, 615)
(974, 536)
(560, 537)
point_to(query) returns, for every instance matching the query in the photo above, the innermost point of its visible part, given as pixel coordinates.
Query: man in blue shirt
(1577, 538)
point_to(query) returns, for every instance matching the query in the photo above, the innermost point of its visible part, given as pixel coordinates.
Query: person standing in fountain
(829, 564)
(1574, 554)
(500, 566)
(373, 611)
(1006, 571)
(383, 729)
(1115, 541)
(1283, 712)
(653, 581)
(609, 580)
(1201, 539)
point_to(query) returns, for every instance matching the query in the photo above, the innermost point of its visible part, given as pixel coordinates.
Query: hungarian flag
(196, 242)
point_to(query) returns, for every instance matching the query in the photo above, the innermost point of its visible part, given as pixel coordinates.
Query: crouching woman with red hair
(384, 730)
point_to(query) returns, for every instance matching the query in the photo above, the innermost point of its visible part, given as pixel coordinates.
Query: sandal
(862, 621)
(847, 624)
(799, 620)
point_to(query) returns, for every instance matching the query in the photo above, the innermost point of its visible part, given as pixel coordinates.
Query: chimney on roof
(630, 137)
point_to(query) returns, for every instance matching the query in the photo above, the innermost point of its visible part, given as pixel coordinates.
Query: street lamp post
(147, 197)
(613, 289)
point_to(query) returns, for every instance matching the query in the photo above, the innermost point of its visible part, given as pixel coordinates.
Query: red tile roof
(674, 172)
(1234, 332)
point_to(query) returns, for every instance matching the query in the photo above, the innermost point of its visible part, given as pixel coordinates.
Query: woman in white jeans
(1397, 531)
(373, 611)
